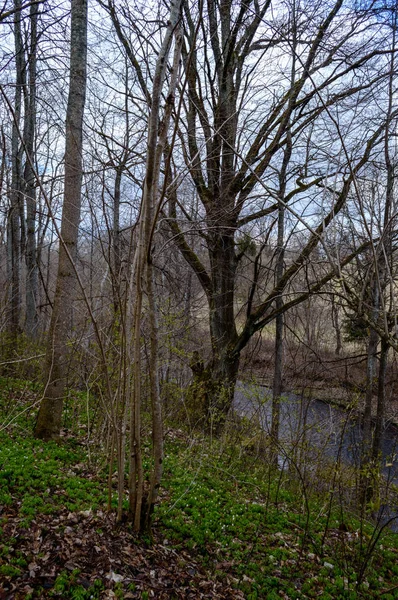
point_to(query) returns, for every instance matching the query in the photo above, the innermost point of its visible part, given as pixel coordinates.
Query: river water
(319, 428)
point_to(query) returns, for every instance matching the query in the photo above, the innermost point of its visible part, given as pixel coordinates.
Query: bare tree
(15, 229)
(144, 279)
(239, 121)
(30, 179)
(50, 414)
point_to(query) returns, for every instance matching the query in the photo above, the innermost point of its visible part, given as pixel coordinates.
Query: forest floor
(227, 526)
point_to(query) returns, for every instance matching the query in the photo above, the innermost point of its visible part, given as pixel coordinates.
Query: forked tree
(143, 273)
(273, 119)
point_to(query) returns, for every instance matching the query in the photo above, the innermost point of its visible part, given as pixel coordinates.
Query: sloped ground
(227, 526)
(83, 554)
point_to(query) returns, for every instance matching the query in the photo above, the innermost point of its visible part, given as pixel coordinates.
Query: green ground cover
(223, 520)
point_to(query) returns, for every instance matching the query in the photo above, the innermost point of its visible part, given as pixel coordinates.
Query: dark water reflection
(323, 430)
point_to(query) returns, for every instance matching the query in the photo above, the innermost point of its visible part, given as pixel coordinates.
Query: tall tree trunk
(279, 321)
(279, 327)
(383, 257)
(386, 253)
(384, 269)
(222, 370)
(15, 222)
(140, 507)
(49, 420)
(381, 401)
(366, 486)
(116, 246)
(32, 281)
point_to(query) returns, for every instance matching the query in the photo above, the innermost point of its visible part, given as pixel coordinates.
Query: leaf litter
(90, 545)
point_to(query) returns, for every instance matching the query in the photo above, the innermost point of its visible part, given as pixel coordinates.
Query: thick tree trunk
(49, 420)
(221, 373)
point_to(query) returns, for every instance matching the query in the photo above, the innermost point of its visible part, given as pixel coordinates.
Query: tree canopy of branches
(277, 110)
(246, 144)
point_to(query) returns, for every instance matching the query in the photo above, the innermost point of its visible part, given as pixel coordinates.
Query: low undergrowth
(227, 526)
(262, 533)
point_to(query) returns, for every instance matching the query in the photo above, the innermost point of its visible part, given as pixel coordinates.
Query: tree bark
(383, 265)
(367, 467)
(336, 325)
(49, 420)
(32, 281)
(370, 380)
(141, 506)
(223, 368)
(15, 222)
(381, 401)
(277, 387)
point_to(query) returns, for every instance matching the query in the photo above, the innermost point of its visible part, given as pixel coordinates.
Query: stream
(320, 428)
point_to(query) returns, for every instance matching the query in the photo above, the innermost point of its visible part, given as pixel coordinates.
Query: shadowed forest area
(198, 321)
